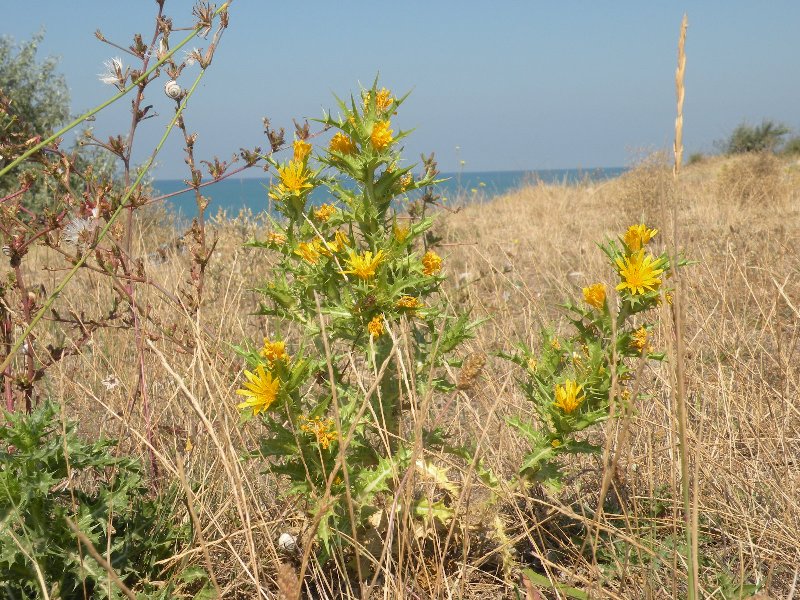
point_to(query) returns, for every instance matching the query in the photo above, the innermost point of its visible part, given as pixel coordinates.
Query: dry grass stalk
(690, 509)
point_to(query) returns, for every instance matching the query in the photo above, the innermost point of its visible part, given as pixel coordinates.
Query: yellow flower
(639, 273)
(273, 351)
(431, 263)
(381, 135)
(309, 252)
(409, 302)
(276, 238)
(339, 242)
(375, 326)
(405, 181)
(555, 443)
(638, 236)
(322, 430)
(567, 396)
(639, 340)
(301, 150)
(595, 295)
(383, 100)
(261, 389)
(342, 144)
(401, 232)
(294, 180)
(324, 212)
(363, 265)
(532, 364)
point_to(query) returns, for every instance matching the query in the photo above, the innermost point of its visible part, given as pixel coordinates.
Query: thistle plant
(572, 380)
(359, 331)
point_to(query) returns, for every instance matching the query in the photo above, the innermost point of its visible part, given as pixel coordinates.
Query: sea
(234, 195)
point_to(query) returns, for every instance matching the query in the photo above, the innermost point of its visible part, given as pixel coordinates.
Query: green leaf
(539, 579)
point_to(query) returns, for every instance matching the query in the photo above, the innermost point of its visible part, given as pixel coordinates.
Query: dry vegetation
(510, 261)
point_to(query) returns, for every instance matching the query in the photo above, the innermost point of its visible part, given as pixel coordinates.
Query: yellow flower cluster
(310, 251)
(322, 430)
(639, 272)
(273, 351)
(276, 238)
(381, 136)
(324, 212)
(342, 144)
(260, 389)
(638, 236)
(364, 265)
(568, 396)
(409, 302)
(375, 326)
(406, 181)
(639, 340)
(595, 295)
(431, 263)
(294, 179)
(383, 100)
(301, 150)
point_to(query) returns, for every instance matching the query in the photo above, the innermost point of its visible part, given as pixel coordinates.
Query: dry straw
(678, 358)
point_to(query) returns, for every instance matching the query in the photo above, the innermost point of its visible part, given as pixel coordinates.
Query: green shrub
(48, 475)
(762, 138)
(696, 158)
(792, 146)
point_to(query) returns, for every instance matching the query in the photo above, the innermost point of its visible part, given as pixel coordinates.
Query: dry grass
(511, 262)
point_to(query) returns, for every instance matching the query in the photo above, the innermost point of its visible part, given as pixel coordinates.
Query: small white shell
(287, 542)
(172, 89)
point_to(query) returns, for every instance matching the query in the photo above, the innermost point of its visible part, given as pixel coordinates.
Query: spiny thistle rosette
(357, 265)
(569, 381)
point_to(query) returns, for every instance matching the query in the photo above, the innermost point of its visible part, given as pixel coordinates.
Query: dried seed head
(470, 371)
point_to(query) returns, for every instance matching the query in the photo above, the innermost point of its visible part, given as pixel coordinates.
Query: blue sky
(513, 84)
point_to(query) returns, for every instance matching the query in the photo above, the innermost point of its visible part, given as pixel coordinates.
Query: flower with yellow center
(637, 236)
(401, 232)
(324, 212)
(568, 396)
(301, 150)
(322, 430)
(276, 238)
(375, 326)
(639, 339)
(342, 144)
(639, 273)
(273, 351)
(595, 295)
(261, 389)
(431, 263)
(381, 135)
(363, 265)
(294, 180)
(409, 302)
(405, 181)
(309, 252)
